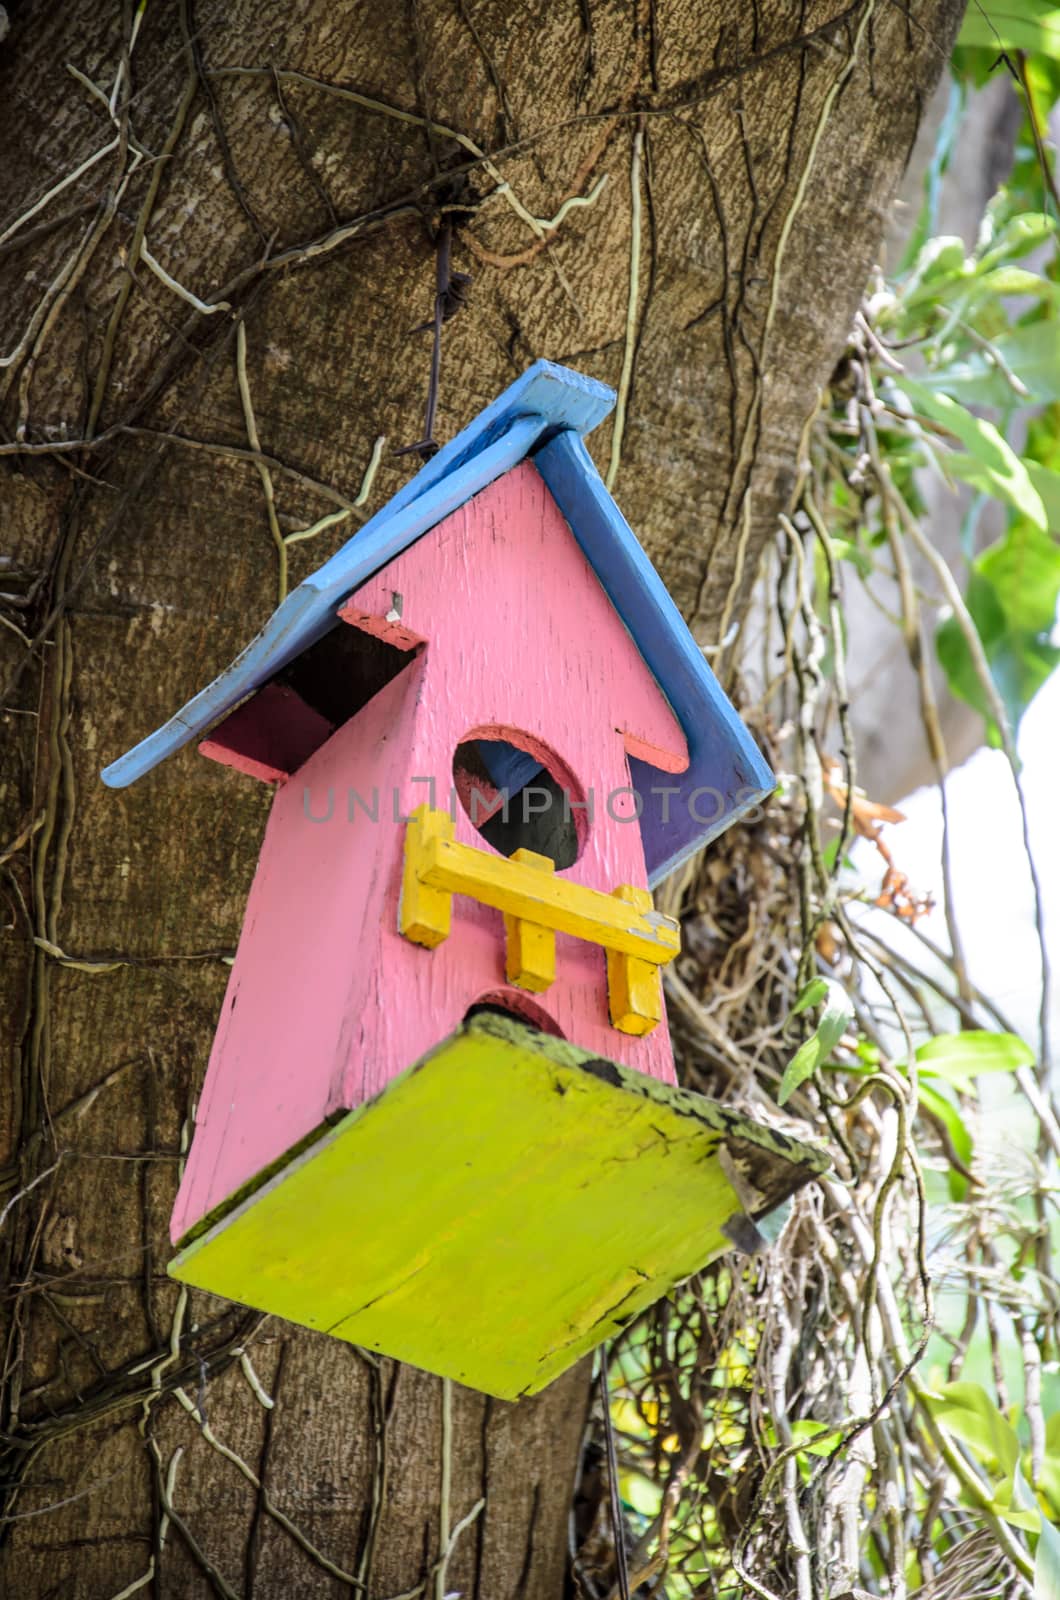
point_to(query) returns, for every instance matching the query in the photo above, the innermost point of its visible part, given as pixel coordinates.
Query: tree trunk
(683, 200)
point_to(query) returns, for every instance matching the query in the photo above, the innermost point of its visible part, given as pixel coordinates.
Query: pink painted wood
(269, 736)
(327, 1002)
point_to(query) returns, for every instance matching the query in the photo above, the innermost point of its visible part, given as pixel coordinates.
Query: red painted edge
(385, 628)
(269, 736)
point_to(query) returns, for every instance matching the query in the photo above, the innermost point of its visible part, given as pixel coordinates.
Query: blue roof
(544, 415)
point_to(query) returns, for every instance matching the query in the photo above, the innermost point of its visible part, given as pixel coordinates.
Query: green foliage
(986, 328)
(948, 1065)
(979, 397)
(836, 1015)
(987, 462)
(1012, 597)
(960, 1058)
(1031, 25)
(1047, 1564)
(966, 1413)
(761, 1384)
(971, 1416)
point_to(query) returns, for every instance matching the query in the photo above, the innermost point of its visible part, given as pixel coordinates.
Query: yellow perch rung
(531, 960)
(537, 905)
(435, 860)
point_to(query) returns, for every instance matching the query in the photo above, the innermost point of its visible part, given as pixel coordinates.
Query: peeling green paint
(497, 1210)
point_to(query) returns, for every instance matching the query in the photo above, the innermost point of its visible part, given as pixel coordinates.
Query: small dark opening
(520, 1007)
(488, 1009)
(514, 802)
(345, 669)
(277, 729)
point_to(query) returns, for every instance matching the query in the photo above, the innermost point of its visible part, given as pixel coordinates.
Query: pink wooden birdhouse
(443, 1043)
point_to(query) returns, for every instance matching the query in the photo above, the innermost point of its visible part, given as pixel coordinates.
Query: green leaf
(1014, 1502)
(847, 550)
(838, 1010)
(1022, 1493)
(1019, 672)
(959, 1058)
(1023, 569)
(937, 1105)
(1049, 1482)
(1012, 597)
(1047, 484)
(640, 1494)
(812, 995)
(803, 1065)
(1031, 351)
(815, 1437)
(1017, 280)
(1016, 237)
(1031, 25)
(1004, 474)
(961, 676)
(973, 64)
(977, 473)
(940, 265)
(1047, 1564)
(830, 851)
(969, 1413)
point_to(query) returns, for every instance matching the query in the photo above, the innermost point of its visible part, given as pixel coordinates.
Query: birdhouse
(440, 1117)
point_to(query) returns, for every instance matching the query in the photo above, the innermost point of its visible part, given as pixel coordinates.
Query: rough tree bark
(290, 163)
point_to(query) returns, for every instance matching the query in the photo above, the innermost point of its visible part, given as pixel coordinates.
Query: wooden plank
(559, 904)
(634, 987)
(498, 1210)
(530, 961)
(389, 629)
(269, 736)
(326, 1000)
(545, 398)
(302, 981)
(433, 859)
(425, 912)
(309, 611)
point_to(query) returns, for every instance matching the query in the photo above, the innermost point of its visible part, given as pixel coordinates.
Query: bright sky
(992, 886)
(995, 907)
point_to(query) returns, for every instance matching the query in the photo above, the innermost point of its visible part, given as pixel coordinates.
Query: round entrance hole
(521, 797)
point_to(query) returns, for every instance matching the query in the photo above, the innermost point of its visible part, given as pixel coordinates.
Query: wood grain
(327, 1001)
(497, 1211)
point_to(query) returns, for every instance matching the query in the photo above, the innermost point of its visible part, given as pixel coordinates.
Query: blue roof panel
(727, 774)
(543, 414)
